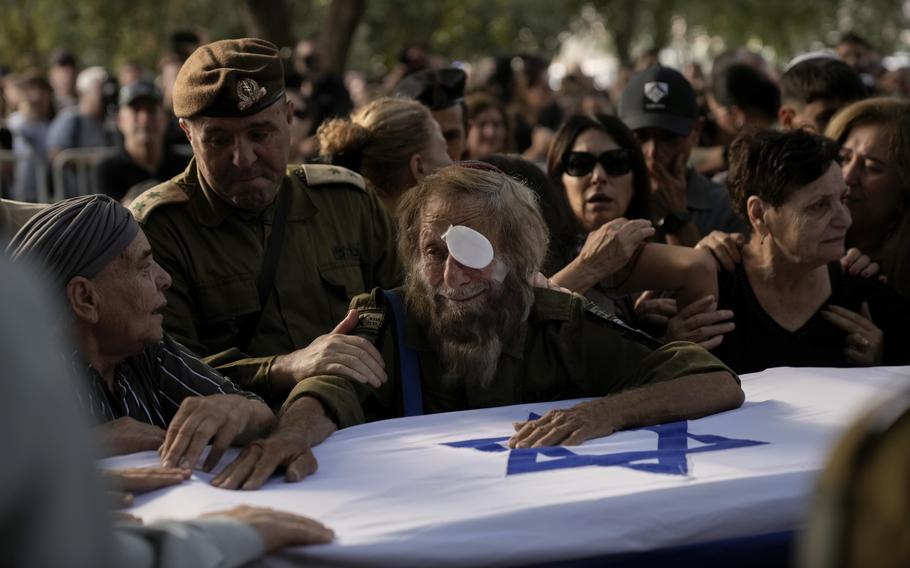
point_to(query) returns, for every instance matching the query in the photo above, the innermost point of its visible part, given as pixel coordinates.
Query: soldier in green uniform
(259, 308)
(468, 331)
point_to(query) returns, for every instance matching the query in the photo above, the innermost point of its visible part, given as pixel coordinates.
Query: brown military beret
(229, 78)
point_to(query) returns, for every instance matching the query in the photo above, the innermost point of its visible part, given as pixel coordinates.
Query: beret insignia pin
(248, 93)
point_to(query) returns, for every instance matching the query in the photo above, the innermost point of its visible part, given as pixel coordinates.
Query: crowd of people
(292, 263)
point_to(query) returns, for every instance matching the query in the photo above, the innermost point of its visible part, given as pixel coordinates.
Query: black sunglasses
(616, 162)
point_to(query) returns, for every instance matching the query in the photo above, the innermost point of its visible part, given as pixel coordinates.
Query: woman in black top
(792, 304)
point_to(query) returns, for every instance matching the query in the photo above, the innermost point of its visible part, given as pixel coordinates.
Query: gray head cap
(74, 237)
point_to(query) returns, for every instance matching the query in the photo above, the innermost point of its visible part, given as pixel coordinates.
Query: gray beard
(469, 341)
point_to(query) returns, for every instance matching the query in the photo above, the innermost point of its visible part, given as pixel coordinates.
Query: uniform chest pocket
(227, 298)
(345, 278)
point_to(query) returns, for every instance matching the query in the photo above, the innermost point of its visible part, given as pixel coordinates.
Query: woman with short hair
(791, 302)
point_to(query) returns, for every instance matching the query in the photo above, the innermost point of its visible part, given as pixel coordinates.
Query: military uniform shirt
(150, 386)
(339, 242)
(565, 350)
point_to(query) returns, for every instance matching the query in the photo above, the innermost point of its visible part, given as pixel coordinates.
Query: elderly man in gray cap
(141, 382)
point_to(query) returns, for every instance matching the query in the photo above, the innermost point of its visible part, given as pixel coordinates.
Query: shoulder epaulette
(319, 174)
(621, 326)
(166, 193)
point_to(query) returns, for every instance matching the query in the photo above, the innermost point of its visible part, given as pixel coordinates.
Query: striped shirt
(150, 386)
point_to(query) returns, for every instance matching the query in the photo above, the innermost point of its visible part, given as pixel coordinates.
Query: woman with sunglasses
(601, 170)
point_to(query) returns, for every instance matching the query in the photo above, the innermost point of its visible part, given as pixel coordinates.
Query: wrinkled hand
(610, 247)
(567, 426)
(654, 312)
(856, 263)
(701, 322)
(277, 529)
(865, 341)
(538, 280)
(259, 460)
(127, 435)
(726, 248)
(668, 186)
(335, 354)
(201, 420)
(138, 480)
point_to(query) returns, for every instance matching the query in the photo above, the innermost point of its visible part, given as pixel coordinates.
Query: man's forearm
(685, 398)
(306, 417)
(260, 422)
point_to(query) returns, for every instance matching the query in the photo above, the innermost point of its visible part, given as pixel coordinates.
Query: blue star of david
(671, 453)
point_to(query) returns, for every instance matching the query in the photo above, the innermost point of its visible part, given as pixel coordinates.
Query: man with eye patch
(659, 106)
(265, 257)
(469, 330)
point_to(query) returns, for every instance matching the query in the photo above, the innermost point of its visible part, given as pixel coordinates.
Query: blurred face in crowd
(596, 197)
(486, 134)
(538, 96)
(857, 56)
(169, 72)
(873, 188)
(451, 123)
(142, 122)
(63, 79)
(91, 100)
(665, 147)
(243, 159)
(36, 102)
(810, 227)
(813, 116)
(728, 119)
(435, 155)
(130, 293)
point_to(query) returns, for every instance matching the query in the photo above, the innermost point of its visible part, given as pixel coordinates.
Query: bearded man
(468, 331)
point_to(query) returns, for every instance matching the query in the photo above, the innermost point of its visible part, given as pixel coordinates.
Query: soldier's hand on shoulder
(335, 353)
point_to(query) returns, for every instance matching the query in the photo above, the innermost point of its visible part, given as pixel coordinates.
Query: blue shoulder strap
(407, 357)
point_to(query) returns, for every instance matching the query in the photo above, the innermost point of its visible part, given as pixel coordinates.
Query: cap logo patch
(248, 93)
(656, 91)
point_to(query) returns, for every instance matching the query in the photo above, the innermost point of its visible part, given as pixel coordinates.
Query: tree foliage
(109, 32)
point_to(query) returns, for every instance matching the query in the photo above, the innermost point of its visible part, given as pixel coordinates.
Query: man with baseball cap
(143, 156)
(441, 91)
(264, 256)
(660, 107)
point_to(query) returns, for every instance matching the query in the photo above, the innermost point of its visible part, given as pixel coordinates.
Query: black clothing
(758, 342)
(118, 173)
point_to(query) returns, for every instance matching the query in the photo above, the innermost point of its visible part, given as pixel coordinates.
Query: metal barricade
(73, 171)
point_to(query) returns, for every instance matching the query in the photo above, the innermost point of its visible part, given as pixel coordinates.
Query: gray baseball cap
(659, 97)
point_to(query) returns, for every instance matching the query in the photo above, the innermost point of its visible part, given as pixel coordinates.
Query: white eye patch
(470, 248)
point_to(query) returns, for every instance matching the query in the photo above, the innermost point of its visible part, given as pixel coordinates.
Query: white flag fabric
(444, 490)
